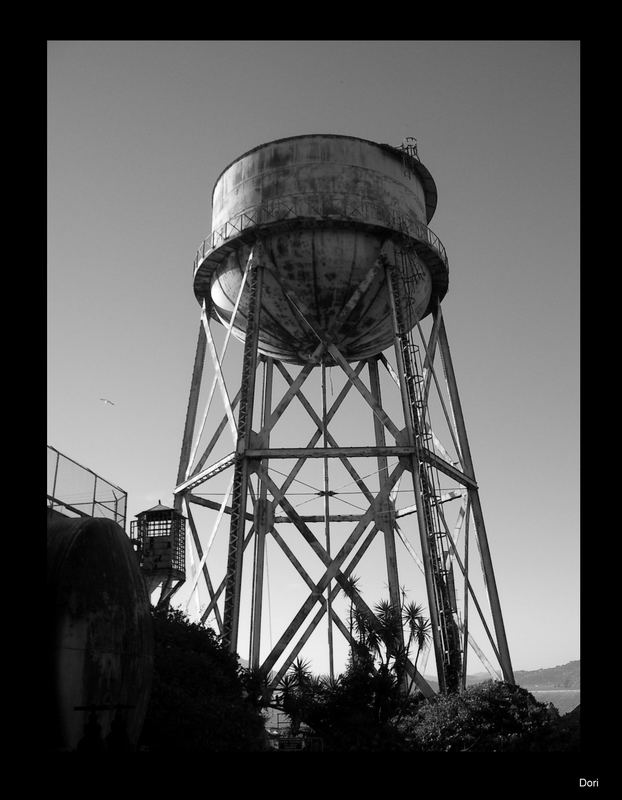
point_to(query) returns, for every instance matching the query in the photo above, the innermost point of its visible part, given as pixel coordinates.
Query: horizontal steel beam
(203, 501)
(328, 452)
(322, 518)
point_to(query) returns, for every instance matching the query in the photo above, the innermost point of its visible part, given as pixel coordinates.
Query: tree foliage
(203, 701)
(372, 705)
(493, 716)
(197, 701)
(359, 709)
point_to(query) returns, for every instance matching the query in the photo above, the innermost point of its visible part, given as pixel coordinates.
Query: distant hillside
(566, 676)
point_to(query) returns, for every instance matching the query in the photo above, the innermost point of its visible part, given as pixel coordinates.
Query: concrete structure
(320, 255)
(99, 635)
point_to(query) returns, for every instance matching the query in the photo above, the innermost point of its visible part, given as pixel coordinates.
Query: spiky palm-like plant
(390, 626)
(420, 631)
(290, 700)
(285, 688)
(255, 684)
(301, 673)
(361, 626)
(331, 683)
(351, 591)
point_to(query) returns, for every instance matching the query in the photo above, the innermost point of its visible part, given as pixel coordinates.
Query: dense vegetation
(366, 711)
(197, 700)
(490, 717)
(202, 700)
(372, 706)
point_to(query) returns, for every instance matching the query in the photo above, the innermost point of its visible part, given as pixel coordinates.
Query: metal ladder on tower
(409, 151)
(410, 274)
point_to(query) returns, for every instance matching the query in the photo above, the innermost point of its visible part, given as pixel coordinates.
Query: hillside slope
(565, 676)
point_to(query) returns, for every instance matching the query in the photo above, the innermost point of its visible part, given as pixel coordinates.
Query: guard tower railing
(77, 491)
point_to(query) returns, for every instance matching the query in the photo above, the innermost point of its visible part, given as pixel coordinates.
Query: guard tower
(158, 536)
(321, 263)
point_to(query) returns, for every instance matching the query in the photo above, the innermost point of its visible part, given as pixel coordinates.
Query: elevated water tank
(324, 208)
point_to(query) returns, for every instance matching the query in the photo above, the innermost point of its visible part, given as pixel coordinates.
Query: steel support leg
(385, 516)
(329, 615)
(480, 529)
(264, 518)
(241, 478)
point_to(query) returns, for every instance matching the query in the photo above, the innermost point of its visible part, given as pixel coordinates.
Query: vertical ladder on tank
(410, 274)
(409, 151)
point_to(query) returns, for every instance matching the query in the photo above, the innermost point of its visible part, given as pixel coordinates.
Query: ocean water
(564, 700)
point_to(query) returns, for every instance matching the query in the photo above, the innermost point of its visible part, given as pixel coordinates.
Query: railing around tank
(341, 209)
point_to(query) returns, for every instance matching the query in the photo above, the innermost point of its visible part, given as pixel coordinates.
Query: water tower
(321, 263)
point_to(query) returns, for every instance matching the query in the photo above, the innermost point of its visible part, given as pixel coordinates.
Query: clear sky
(138, 132)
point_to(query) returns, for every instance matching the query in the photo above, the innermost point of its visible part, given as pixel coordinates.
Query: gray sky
(138, 132)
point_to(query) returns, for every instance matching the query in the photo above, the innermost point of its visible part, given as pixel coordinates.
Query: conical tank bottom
(321, 267)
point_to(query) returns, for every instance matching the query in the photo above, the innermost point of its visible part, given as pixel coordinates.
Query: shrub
(197, 700)
(494, 716)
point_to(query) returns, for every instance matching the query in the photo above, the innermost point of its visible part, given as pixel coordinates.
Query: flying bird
(103, 399)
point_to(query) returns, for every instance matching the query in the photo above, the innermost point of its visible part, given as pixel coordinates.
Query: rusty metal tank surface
(100, 638)
(319, 211)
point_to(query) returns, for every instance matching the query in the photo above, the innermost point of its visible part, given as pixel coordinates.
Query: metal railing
(341, 208)
(77, 491)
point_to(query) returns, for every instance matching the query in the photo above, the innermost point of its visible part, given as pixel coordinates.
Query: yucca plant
(351, 591)
(301, 673)
(290, 700)
(255, 684)
(420, 631)
(390, 630)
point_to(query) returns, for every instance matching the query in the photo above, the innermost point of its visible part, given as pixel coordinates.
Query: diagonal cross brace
(309, 408)
(202, 566)
(334, 592)
(333, 565)
(291, 392)
(326, 341)
(221, 585)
